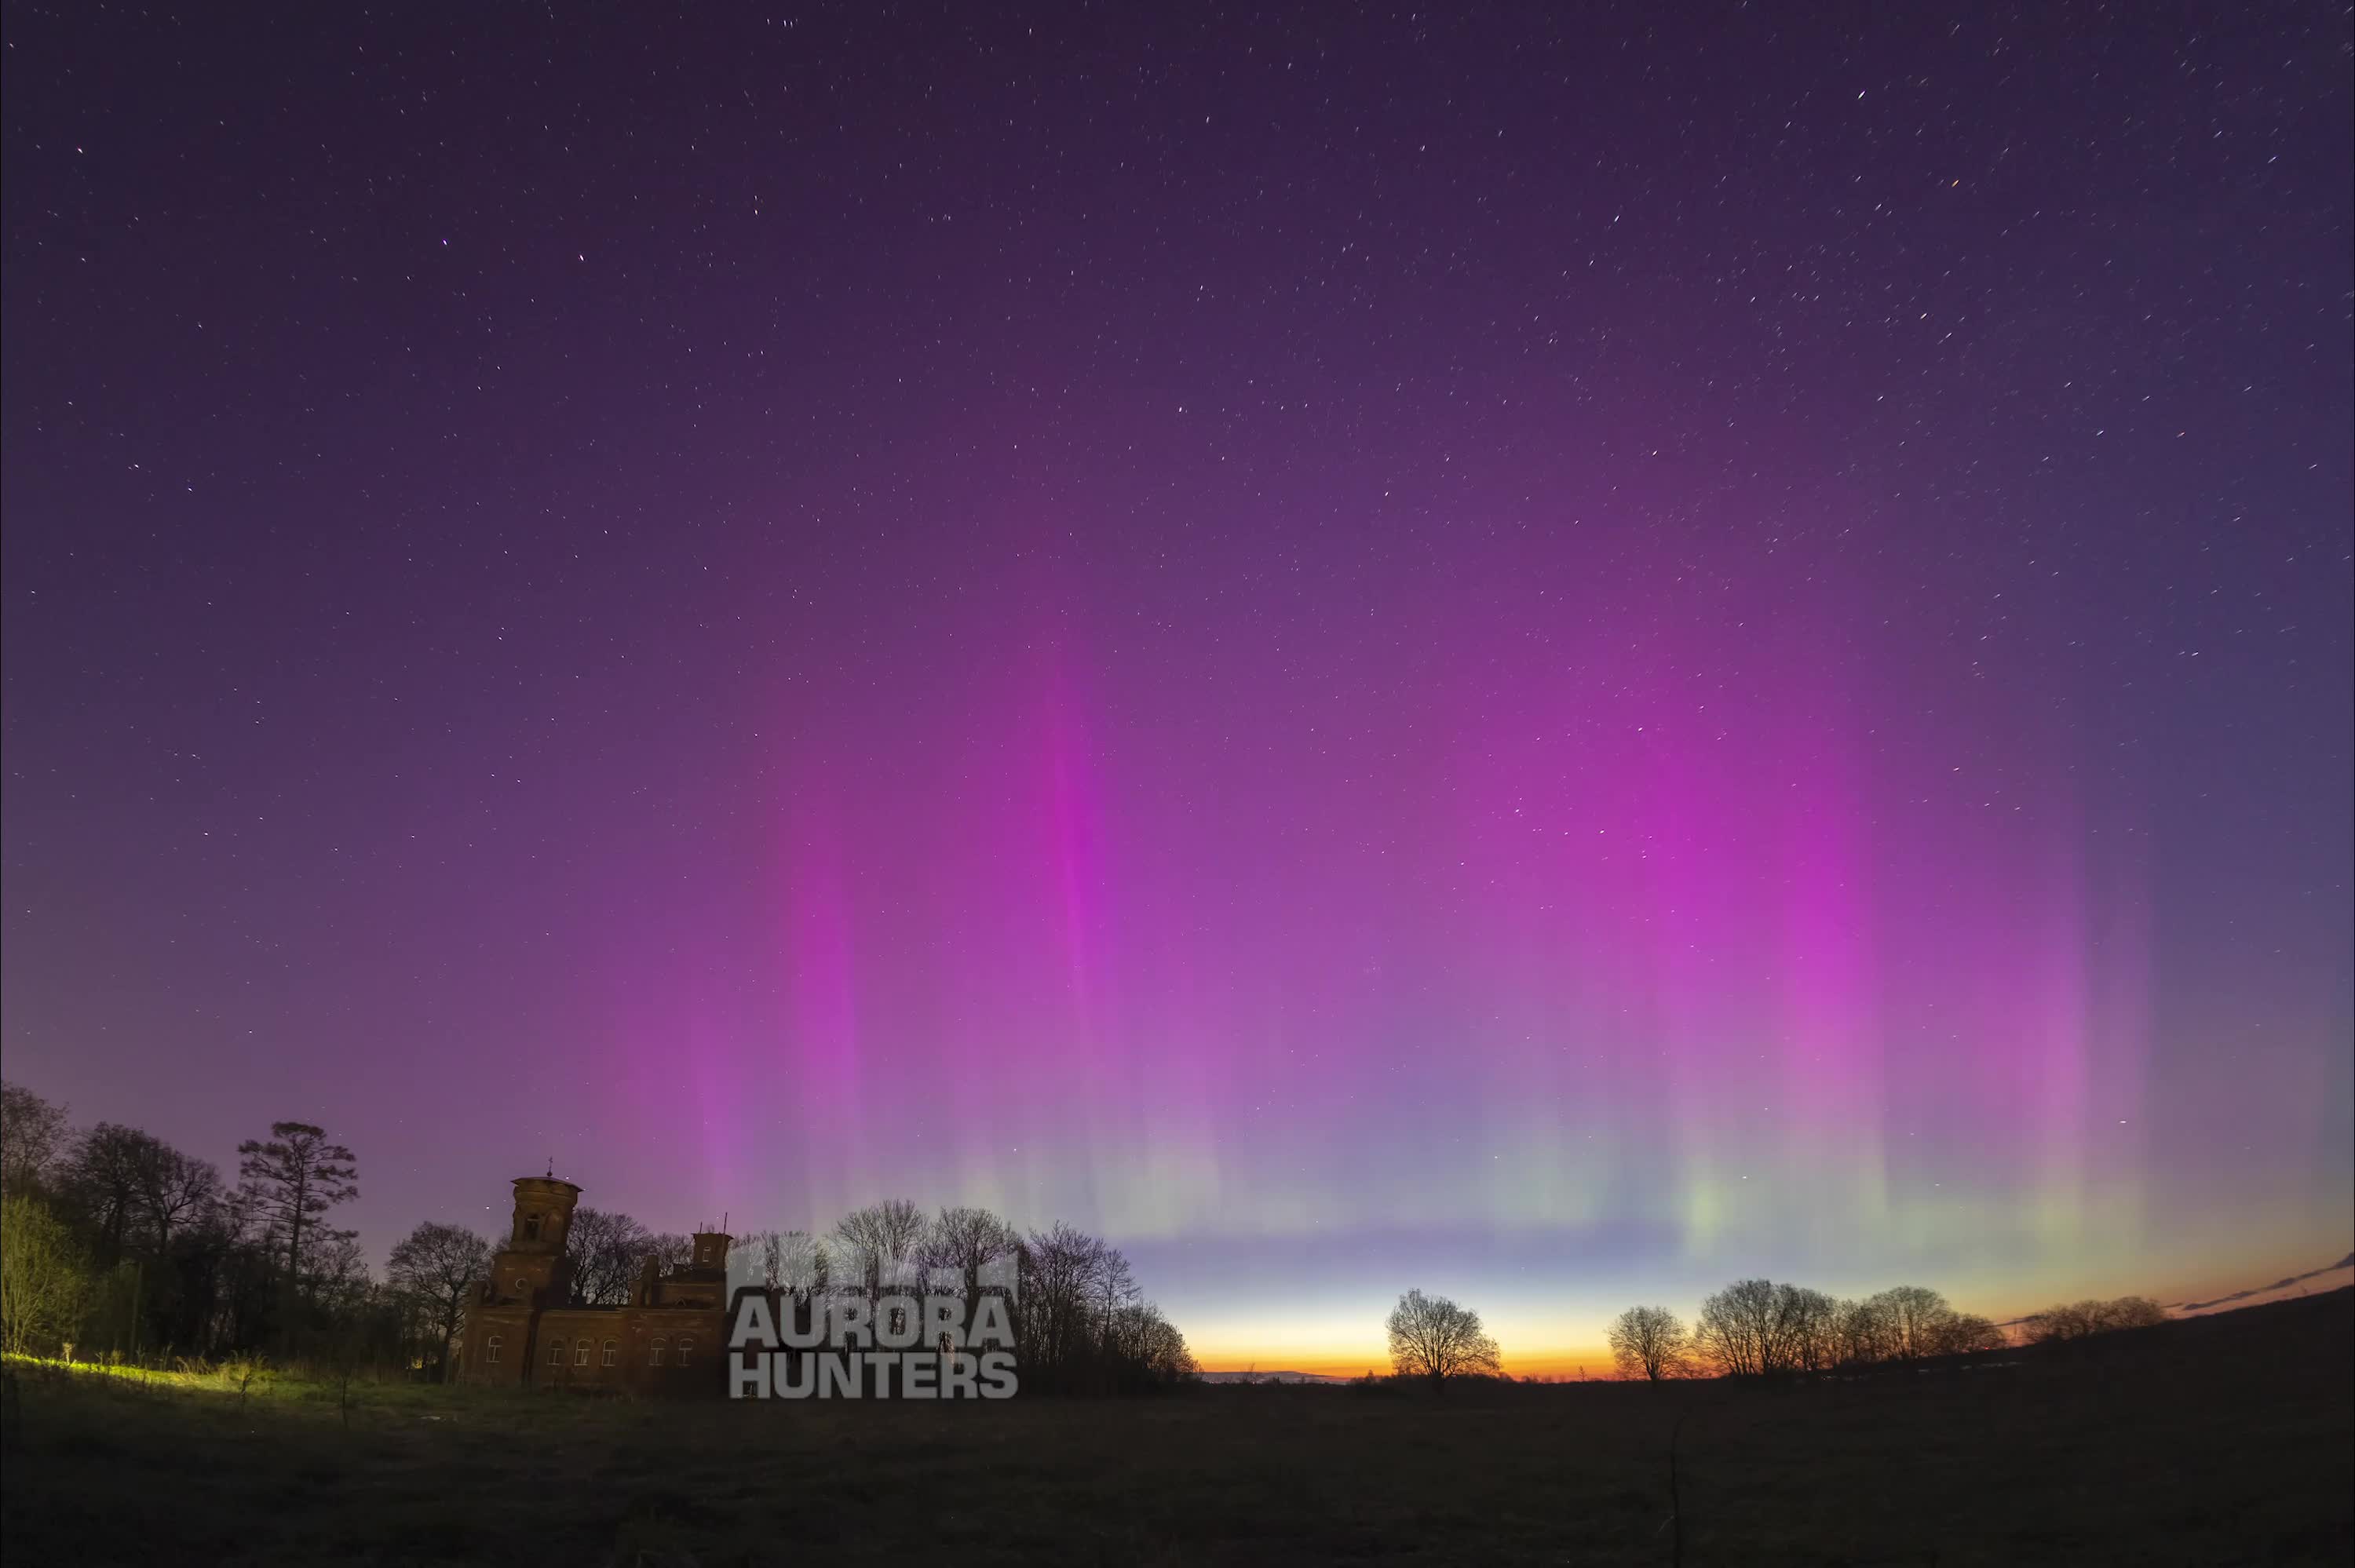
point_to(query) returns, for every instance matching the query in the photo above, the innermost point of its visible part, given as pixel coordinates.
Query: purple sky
(1550, 661)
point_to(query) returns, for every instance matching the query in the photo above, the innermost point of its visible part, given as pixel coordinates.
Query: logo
(892, 1337)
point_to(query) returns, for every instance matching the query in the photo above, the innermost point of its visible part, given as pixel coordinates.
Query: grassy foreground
(2225, 1440)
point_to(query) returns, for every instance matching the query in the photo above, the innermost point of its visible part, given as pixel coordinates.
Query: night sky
(1554, 654)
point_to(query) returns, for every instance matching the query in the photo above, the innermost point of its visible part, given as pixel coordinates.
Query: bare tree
(875, 1245)
(1736, 1329)
(1860, 1336)
(1810, 1329)
(1916, 1317)
(33, 1139)
(1648, 1342)
(1432, 1337)
(1080, 1323)
(2132, 1312)
(1963, 1333)
(967, 1241)
(2081, 1318)
(1144, 1348)
(436, 1268)
(1059, 1266)
(335, 1275)
(2056, 1325)
(1755, 1328)
(100, 1181)
(793, 1262)
(295, 1178)
(174, 1188)
(1110, 1284)
(605, 1250)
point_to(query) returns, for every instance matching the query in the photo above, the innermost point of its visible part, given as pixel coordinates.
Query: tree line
(1758, 1328)
(1081, 1323)
(114, 1243)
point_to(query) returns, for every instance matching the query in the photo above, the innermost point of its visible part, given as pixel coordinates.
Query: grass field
(2223, 1440)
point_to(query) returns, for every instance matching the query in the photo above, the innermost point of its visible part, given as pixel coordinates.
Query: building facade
(669, 1338)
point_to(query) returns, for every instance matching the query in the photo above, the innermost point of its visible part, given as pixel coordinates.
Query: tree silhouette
(875, 1245)
(1432, 1337)
(100, 1182)
(435, 1267)
(1966, 1331)
(1746, 1328)
(1810, 1329)
(1648, 1342)
(2079, 1320)
(1917, 1320)
(967, 1241)
(793, 1262)
(606, 1251)
(2133, 1312)
(294, 1179)
(175, 1188)
(33, 1138)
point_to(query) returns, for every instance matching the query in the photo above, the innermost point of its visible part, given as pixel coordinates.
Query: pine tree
(294, 1179)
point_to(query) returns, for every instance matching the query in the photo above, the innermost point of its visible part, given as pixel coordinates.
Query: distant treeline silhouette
(1758, 1328)
(2079, 1320)
(116, 1246)
(1082, 1325)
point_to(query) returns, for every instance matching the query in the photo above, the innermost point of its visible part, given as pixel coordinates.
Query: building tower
(700, 1281)
(532, 1270)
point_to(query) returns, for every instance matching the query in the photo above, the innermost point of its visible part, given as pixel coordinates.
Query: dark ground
(2229, 1439)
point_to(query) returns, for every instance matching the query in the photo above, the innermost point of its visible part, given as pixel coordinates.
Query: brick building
(670, 1337)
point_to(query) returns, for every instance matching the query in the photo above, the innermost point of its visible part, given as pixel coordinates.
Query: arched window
(491, 1348)
(531, 1227)
(613, 1352)
(579, 1352)
(662, 1348)
(555, 1352)
(686, 1348)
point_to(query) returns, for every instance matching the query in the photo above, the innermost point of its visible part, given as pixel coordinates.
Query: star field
(1554, 655)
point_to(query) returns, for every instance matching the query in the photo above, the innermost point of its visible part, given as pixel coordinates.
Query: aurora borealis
(1550, 663)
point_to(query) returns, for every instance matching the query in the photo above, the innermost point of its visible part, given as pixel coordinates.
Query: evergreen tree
(294, 1179)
